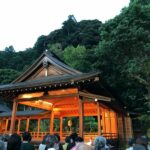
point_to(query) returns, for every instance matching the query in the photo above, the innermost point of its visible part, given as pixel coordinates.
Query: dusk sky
(23, 21)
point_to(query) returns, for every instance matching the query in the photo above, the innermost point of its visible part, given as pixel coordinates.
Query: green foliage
(144, 121)
(77, 58)
(90, 124)
(123, 53)
(10, 49)
(8, 75)
(33, 125)
(119, 49)
(56, 125)
(75, 33)
(40, 45)
(56, 49)
(23, 125)
(45, 125)
(69, 26)
(16, 60)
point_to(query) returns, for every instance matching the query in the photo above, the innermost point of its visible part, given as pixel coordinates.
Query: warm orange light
(30, 95)
(25, 96)
(63, 91)
(56, 109)
(43, 102)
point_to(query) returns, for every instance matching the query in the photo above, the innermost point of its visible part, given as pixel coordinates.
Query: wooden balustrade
(87, 135)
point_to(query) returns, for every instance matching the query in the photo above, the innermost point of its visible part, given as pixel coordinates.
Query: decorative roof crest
(45, 62)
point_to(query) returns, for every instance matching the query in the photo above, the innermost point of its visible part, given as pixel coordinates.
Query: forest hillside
(118, 48)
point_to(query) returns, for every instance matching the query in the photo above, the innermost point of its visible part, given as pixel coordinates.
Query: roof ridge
(53, 59)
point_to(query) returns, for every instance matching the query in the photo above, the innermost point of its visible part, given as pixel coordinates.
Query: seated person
(26, 145)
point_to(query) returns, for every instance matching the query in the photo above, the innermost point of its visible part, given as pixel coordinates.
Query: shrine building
(64, 100)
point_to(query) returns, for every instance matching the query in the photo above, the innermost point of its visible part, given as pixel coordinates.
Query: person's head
(99, 143)
(79, 139)
(139, 147)
(26, 136)
(131, 141)
(57, 137)
(67, 139)
(14, 142)
(50, 140)
(74, 136)
(5, 137)
(44, 138)
(142, 141)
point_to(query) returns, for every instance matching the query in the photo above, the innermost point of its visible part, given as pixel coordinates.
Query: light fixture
(96, 99)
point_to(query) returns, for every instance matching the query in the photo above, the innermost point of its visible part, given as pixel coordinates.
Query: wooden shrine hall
(66, 99)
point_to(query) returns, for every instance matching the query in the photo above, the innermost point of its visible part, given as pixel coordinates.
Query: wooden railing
(110, 135)
(87, 135)
(93, 135)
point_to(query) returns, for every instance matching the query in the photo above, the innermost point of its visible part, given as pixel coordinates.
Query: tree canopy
(118, 48)
(123, 54)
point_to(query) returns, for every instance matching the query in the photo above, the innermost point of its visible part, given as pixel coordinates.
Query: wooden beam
(94, 96)
(47, 97)
(124, 128)
(103, 120)
(110, 121)
(6, 125)
(52, 122)
(38, 129)
(18, 129)
(81, 117)
(61, 126)
(13, 118)
(27, 124)
(36, 105)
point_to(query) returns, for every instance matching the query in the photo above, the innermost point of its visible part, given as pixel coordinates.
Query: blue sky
(23, 21)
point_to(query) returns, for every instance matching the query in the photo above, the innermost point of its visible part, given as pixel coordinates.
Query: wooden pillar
(98, 118)
(120, 123)
(61, 127)
(1, 125)
(124, 128)
(18, 129)
(81, 117)
(128, 127)
(13, 118)
(38, 129)
(6, 125)
(27, 124)
(110, 129)
(103, 120)
(52, 122)
(116, 125)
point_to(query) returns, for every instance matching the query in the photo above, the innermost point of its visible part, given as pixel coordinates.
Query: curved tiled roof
(4, 108)
(49, 81)
(52, 59)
